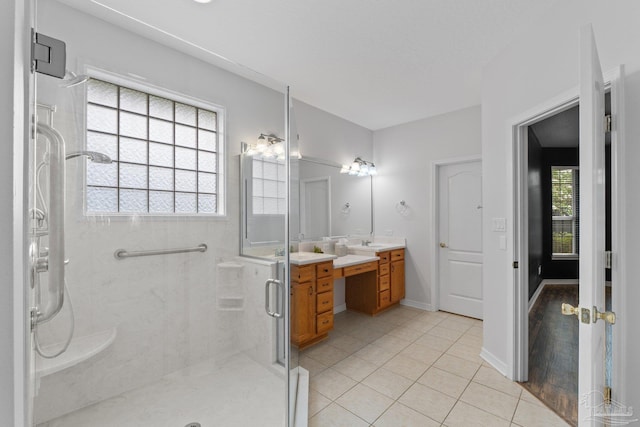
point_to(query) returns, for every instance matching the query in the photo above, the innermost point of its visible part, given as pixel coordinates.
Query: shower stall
(148, 304)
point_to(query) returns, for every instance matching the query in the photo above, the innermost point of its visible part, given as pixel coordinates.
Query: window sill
(570, 257)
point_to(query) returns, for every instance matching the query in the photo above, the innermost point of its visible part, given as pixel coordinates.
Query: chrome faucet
(279, 252)
(366, 242)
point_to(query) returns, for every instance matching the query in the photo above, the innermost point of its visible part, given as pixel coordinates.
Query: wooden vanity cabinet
(311, 303)
(397, 276)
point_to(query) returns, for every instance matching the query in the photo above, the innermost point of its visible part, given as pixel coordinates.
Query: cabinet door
(303, 316)
(397, 280)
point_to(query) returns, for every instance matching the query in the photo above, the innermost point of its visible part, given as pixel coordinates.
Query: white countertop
(349, 260)
(302, 258)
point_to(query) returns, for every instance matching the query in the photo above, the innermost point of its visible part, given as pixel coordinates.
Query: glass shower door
(145, 314)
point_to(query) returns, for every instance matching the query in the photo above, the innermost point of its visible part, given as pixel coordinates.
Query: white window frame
(572, 218)
(151, 89)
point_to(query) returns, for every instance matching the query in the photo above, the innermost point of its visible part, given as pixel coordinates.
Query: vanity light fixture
(267, 146)
(359, 167)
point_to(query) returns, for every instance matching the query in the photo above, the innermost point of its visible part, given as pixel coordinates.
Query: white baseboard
(339, 308)
(545, 282)
(417, 304)
(492, 360)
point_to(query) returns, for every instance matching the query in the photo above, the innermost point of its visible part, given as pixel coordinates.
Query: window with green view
(564, 210)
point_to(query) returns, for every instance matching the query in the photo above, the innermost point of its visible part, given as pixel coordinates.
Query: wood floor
(553, 352)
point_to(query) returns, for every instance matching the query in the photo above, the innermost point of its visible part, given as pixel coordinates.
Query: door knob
(584, 314)
(443, 245)
(607, 316)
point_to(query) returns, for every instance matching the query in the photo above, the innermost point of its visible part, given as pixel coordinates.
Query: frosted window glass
(207, 161)
(207, 203)
(160, 154)
(100, 92)
(207, 182)
(102, 199)
(270, 189)
(185, 114)
(102, 119)
(257, 168)
(133, 176)
(185, 158)
(132, 100)
(160, 178)
(258, 188)
(258, 206)
(133, 150)
(281, 173)
(185, 181)
(270, 206)
(185, 136)
(186, 203)
(160, 107)
(160, 202)
(161, 131)
(270, 171)
(206, 120)
(105, 144)
(282, 189)
(207, 140)
(133, 125)
(133, 201)
(282, 206)
(105, 175)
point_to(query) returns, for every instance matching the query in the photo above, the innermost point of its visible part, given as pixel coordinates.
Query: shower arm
(53, 262)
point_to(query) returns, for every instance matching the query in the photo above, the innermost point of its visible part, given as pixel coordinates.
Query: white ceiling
(377, 63)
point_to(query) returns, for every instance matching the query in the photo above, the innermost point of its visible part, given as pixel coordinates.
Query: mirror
(324, 202)
(331, 203)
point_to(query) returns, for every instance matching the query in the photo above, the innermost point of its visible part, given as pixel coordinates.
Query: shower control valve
(42, 264)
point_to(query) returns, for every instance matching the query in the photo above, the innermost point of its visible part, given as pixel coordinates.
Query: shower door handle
(267, 297)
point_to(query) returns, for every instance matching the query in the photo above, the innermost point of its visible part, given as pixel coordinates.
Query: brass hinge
(608, 123)
(515, 264)
(607, 395)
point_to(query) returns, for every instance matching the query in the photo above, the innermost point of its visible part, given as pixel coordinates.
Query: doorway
(534, 268)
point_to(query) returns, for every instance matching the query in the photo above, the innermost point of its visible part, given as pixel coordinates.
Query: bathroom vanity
(374, 281)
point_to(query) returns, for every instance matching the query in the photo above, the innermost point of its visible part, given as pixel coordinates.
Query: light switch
(499, 224)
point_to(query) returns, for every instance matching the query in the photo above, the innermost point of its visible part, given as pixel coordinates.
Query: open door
(591, 381)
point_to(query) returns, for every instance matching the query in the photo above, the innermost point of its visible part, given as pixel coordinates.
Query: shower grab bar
(54, 261)
(123, 253)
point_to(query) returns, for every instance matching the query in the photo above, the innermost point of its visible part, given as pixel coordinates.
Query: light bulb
(345, 169)
(372, 170)
(355, 166)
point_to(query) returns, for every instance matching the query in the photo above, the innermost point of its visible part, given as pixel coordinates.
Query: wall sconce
(268, 146)
(359, 167)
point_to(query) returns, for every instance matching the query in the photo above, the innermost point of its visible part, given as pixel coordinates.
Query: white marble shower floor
(239, 392)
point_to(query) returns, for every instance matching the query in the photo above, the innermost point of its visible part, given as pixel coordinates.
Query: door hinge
(48, 55)
(515, 264)
(607, 395)
(608, 123)
(608, 259)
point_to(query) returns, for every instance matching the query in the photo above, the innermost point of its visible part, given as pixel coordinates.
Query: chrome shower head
(94, 156)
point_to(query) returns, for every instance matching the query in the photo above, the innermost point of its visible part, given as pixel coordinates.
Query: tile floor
(407, 367)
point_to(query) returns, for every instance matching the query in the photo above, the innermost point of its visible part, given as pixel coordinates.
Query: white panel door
(460, 237)
(592, 229)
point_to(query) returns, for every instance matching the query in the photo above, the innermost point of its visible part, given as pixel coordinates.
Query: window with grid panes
(565, 229)
(269, 186)
(164, 152)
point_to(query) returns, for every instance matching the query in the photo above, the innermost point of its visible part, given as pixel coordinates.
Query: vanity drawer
(397, 254)
(384, 269)
(338, 273)
(303, 273)
(324, 322)
(384, 298)
(324, 302)
(360, 268)
(385, 257)
(325, 284)
(324, 269)
(384, 283)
